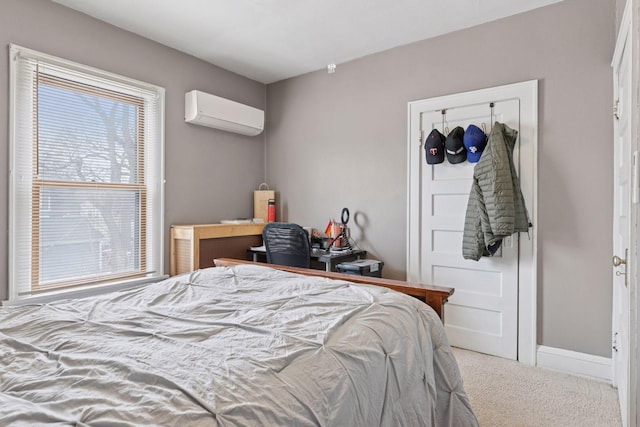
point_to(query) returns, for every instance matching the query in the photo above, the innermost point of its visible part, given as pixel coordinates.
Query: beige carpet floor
(505, 393)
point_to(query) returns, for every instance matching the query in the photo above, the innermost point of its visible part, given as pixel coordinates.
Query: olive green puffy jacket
(496, 206)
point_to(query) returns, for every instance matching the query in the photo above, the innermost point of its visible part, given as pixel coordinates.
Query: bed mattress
(231, 346)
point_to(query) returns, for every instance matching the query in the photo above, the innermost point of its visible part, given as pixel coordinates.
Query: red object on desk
(271, 210)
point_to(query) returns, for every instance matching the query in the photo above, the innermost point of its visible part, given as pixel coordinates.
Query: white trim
(527, 92)
(24, 52)
(623, 35)
(574, 363)
(87, 291)
(12, 290)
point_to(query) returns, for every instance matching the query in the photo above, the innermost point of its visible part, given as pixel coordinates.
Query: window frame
(151, 239)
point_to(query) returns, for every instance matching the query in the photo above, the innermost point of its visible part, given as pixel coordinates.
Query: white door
(623, 197)
(485, 313)
(482, 315)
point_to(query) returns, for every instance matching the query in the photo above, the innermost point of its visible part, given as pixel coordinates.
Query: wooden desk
(326, 259)
(195, 246)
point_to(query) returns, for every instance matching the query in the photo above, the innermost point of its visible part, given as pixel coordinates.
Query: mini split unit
(210, 110)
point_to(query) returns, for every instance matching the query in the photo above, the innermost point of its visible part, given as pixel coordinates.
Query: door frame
(527, 93)
(627, 37)
(634, 329)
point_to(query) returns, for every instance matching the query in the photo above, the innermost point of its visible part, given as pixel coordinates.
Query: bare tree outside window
(90, 182)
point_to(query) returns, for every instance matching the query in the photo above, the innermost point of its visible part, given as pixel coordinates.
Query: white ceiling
(271, 40)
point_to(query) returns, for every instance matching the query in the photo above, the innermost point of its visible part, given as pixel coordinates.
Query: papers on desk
(236, 221)
(259, 248)
(339, 250)
(243, 221)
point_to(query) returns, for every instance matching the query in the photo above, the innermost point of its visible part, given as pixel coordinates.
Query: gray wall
(340, 139)
(210, 174)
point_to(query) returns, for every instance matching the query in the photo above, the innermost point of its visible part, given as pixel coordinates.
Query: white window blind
(87, 172)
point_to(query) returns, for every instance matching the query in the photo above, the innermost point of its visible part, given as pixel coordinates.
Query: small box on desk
(362, 267)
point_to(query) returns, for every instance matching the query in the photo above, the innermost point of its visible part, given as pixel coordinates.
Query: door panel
(482, 314)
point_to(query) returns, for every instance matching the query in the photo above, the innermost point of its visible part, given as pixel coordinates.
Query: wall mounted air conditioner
(210, 110)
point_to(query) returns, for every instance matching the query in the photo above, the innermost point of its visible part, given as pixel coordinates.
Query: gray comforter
(241, 346)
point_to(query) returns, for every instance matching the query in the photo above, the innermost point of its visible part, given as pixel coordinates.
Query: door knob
(617, 261)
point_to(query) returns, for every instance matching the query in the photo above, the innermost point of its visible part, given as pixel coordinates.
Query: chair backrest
(286, 244)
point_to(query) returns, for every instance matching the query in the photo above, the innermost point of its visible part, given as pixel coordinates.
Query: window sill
(81, 292)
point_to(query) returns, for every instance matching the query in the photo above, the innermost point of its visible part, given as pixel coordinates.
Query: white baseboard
(572, 362)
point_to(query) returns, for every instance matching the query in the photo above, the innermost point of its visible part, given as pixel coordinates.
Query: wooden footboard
(434, 296)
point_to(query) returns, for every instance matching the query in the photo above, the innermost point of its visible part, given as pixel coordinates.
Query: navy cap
(475, 140)
(456, 153)
(434, 147)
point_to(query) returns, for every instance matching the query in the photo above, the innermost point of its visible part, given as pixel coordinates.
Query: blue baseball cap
(475, 140)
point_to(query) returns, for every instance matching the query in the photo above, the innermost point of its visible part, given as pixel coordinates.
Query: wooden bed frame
(434, 296)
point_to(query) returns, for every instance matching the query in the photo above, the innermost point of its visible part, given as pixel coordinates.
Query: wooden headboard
(434, 296)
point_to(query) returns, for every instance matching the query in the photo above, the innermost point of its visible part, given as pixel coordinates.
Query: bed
(237, 345)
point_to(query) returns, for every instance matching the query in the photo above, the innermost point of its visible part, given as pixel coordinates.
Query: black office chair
(286, 244)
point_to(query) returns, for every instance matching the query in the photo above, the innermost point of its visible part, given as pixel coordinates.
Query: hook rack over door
(491, 105)
(443, 111)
